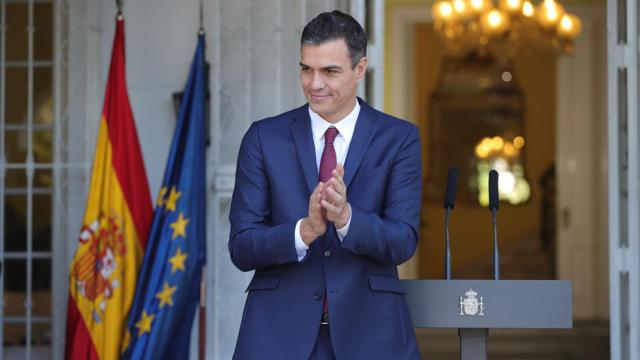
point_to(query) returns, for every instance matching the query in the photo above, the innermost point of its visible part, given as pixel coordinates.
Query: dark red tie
(328, 159)
(327, 164)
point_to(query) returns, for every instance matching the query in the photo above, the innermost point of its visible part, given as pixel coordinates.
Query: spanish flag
(116, 222)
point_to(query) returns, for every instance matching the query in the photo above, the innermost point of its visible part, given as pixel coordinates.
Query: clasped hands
(328, 202)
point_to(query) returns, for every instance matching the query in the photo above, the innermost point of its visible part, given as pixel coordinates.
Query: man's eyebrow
(330, 67)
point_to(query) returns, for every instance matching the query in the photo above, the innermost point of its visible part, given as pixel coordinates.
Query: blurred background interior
(521, 90)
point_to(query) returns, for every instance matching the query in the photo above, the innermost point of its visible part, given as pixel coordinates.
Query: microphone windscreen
(450, 194)
(494, 196)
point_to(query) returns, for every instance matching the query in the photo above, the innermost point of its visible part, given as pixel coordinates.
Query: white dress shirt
(319, 126)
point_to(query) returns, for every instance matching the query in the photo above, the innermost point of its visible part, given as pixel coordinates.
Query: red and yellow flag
(116, 222)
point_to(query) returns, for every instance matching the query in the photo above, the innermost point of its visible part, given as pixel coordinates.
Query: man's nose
(317, 82)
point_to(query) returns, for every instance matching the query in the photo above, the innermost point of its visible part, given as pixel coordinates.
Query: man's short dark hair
(333, 26)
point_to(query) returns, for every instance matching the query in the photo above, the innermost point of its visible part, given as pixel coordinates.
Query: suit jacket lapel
(303, 139)
(362, 136)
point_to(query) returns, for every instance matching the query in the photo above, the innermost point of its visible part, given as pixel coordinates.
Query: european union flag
(167, 291)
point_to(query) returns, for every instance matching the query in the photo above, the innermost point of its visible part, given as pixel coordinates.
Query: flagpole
(202, 324)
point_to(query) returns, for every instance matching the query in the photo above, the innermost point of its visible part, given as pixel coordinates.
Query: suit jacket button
(317, 295)
(327, 253)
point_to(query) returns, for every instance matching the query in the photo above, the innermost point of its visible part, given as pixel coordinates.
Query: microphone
(494, 195)
(494, 205)
(449, 203)
(450, 194)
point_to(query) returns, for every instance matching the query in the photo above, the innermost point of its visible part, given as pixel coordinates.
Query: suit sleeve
(393, 236)
(254, 242)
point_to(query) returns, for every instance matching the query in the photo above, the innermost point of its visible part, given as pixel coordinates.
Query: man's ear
(361, 67)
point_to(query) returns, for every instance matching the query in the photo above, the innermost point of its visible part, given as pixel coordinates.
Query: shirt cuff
(301, 247)
(342, 232)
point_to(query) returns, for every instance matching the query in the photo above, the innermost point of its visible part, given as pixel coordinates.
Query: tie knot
(330, 135)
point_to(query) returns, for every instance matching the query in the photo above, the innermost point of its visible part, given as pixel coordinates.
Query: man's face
(328, 80)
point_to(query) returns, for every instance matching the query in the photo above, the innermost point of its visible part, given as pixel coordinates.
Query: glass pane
(14, 335)
(42, 302)
(43, 115)
(43, 178)
(41, 283)
(15, 284)
(16, 146)
(41, 336)
(15, 224)
(43, 95)
(16, 95)
(16, 178)
(15, 339)
(42, 222)
(16, 35)
(43, 36)
(16, 141)
(42, 148)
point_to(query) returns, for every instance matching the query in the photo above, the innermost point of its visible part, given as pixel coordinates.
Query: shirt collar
(345, 127)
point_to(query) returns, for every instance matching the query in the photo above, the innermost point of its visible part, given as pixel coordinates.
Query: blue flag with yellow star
(168, 287)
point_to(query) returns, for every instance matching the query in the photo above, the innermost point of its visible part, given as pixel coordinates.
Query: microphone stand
(494, 204)
(496, 252)
(449, 201)
(447, 253)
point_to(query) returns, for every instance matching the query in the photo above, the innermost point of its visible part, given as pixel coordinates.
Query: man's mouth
(318, 97)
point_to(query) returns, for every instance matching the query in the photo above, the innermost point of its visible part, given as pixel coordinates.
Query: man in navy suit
(325, 239)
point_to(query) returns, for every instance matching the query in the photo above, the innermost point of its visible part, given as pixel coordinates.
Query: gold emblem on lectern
(470, 305)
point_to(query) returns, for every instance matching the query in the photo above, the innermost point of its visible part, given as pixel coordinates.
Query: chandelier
(477, 27)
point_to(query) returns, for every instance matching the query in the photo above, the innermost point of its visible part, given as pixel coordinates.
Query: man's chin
(319, 109)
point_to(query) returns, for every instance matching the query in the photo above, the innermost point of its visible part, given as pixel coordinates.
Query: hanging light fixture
(477, 26)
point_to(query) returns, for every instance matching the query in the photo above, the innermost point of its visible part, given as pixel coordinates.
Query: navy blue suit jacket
(275, 175)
